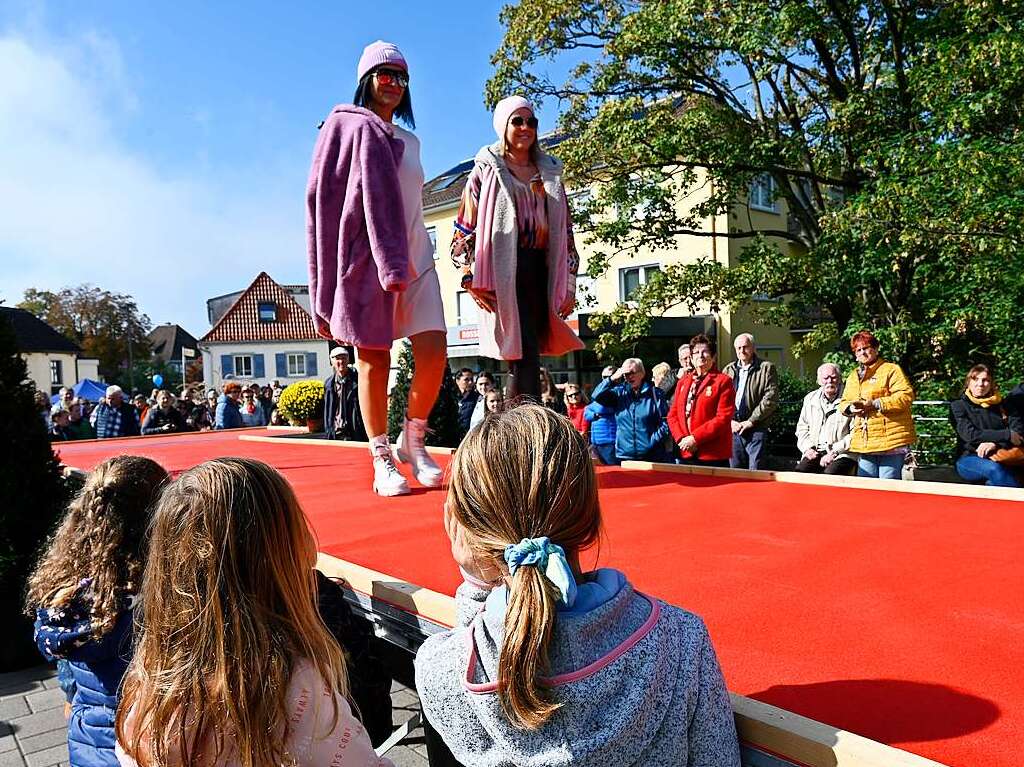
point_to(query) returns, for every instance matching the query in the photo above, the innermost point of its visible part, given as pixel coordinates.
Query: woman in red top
(575, 406)
(702, 409)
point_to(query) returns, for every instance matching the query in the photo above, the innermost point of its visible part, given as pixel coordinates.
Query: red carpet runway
(893, 615)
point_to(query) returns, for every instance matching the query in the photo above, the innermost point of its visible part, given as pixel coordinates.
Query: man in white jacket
(822, 432)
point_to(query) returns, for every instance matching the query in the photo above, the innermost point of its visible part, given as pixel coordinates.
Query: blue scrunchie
(547, 557)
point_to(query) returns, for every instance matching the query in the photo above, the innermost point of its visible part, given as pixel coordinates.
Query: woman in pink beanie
(513, 241)
(371, 262)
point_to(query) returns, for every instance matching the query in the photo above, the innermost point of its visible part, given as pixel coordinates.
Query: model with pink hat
(513, 240)
(371, 262)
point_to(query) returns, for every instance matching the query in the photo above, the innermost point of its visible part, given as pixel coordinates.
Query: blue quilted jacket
(97, 665)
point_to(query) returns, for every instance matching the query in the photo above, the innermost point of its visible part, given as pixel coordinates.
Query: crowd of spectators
(699, 413)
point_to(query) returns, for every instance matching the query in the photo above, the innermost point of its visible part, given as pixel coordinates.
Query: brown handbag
(1009, 456)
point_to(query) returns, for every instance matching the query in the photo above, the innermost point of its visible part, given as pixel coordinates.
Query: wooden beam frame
(947, 489)
(761, 726)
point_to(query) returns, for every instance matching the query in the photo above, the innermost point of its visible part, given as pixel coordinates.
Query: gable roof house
(169, 342)
(53, 360)
(264, 334)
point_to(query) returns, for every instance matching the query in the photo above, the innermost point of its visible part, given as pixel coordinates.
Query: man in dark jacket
(757, 398)
(468, 395)
(114, 417)
(342, 417)
(164, 417)
(640, 409)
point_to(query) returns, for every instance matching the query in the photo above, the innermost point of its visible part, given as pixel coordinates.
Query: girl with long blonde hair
(563, 666)
(83, 590)
(234, 665)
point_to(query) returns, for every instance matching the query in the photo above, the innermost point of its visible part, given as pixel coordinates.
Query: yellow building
(441, 197)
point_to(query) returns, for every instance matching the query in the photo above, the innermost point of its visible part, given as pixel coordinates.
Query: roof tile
(242, 323)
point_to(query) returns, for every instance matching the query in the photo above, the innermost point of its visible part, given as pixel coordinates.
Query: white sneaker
(411, 451)
(387, 480)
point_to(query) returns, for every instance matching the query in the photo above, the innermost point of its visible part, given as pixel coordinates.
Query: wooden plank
(760, 725)
(331, 443)
(812, 743)
(946, 489)
(417, 600)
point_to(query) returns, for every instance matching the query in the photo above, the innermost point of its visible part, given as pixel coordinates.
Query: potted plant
(303, 403)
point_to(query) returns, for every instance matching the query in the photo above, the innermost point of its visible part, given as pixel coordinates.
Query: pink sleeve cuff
(476, 582)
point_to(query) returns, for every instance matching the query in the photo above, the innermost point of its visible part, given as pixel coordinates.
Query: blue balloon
(158, 380)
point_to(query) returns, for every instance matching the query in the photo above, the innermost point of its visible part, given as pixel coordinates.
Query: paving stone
(12, 708)
(50, 684)
(43, 740)
(22, 688)
(10, 678)
(44, 721)
(11, 759)
(405, 699)
(8, 743)
(5, 729)
(406, 757)
(47, 757)
(41, 701)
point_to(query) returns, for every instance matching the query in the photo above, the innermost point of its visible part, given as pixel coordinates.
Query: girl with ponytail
(548, 664)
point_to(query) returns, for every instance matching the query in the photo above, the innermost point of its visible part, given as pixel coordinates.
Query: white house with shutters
(263, 334)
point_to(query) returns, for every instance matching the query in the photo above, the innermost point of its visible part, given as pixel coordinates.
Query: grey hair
(823, 365)
(748, 336)
(636, 362)
(114, 389)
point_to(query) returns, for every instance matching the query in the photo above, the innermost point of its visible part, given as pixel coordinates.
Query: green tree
(443, 423)
(34, 497)
(108, 326)
(891, 129)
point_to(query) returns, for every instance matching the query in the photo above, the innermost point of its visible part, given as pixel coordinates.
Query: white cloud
(77, 204)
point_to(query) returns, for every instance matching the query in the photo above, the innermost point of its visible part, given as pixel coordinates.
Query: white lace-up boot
(387, 480)
(411, 450)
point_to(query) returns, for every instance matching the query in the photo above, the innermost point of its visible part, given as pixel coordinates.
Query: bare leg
(373, 366)
(428, 351)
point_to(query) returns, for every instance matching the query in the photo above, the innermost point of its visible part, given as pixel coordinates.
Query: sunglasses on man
(391, 77)
(518, 121)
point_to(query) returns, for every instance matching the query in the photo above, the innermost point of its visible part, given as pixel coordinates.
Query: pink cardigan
(355, 228)
(310, 741)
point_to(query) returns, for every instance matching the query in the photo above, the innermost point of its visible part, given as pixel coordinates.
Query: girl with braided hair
(82, 594)
(549, 664)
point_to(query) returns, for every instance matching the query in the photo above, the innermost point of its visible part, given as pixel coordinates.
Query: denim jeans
(747, 448)
(880, 465)
(974, 468)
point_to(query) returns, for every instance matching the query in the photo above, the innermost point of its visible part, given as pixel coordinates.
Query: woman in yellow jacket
(878, 396)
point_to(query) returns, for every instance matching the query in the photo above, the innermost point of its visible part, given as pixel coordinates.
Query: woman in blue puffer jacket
(82, 594)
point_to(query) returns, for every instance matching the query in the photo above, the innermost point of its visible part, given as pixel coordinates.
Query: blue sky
(162, 151)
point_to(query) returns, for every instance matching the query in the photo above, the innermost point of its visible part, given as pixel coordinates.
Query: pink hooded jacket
(355, 228)
(311, 741)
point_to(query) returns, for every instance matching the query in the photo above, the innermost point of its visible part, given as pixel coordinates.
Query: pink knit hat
(504, 111)
(377, 54)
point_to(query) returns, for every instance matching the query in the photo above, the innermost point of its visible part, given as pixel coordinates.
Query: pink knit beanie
(377, 54)
(503, 111)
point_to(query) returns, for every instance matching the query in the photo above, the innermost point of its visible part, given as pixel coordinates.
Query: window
(762, 193)
(466, 309)
(243, 366)
(632, 278)
(297, 364)
(268, 311)
(56, 372)
(432, 234)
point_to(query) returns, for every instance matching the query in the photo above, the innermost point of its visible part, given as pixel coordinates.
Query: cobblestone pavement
(33, 732)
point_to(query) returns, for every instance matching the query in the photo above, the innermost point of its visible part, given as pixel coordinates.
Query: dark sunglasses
(391, 77)
(518, 121)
